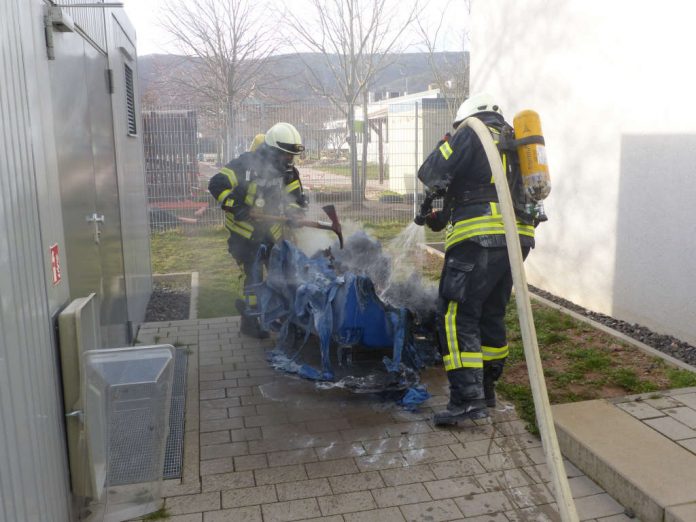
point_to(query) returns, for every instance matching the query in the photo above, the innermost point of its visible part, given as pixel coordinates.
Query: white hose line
(554, 459)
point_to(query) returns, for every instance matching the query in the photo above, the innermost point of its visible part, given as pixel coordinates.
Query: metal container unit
(64, 162)
(96, 125)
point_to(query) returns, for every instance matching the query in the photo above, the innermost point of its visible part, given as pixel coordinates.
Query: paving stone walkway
(265, 446)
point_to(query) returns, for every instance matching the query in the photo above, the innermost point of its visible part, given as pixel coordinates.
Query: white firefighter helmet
(476, 103)
(285, 137)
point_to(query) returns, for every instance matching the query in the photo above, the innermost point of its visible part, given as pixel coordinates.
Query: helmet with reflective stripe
(285, 137)
(475, 104)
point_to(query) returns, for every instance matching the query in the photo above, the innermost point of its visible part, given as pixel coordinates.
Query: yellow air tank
(532, 153)
(256, 142)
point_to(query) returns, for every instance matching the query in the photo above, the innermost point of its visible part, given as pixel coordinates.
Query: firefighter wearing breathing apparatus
(262, 181)
(476, 280)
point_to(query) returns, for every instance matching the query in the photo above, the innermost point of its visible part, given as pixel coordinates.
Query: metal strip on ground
(174, 451)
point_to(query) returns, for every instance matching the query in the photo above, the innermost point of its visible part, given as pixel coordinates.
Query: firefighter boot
(251, 327)
(492, 370)
(466, 397)
(489, 392)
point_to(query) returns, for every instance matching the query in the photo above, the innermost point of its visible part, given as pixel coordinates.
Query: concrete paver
(638, 459)
(597, 506)
(193, 503)
(671, 428)
(683, 513)
(271, 447)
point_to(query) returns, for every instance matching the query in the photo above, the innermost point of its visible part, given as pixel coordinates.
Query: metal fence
(185, 146)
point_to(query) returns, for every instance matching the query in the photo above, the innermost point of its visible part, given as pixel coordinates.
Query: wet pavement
(267, 446)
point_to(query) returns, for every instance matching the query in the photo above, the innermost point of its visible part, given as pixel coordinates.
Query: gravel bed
(168, 302)
(664, 343)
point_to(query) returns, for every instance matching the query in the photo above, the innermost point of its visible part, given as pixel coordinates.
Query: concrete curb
(193, 306)
(641, 468)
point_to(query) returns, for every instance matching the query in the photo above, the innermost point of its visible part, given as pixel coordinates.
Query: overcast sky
(151, 39)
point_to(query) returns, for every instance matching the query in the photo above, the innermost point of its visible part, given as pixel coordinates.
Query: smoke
(400, 287)
(313, 239)
(363, 255)
(419, 296)
(394, 271)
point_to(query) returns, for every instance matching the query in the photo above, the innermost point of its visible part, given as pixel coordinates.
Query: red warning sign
(55, 263)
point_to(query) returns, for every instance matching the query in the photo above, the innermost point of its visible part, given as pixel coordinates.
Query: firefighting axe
(334, 225)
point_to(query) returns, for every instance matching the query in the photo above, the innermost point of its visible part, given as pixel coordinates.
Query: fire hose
(561, 489)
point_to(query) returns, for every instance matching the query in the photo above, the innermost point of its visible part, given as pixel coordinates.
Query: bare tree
(450, 70)
(355, 38)
(228, 43)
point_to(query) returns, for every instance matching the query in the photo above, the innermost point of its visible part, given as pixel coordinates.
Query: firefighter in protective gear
(264, 180)
(476, 280)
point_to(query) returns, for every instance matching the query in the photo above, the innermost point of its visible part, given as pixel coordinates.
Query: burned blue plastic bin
(341, 310)
(361, 319)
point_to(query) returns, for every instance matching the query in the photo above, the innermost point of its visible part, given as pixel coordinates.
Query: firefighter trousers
(245, 251)
(475, 287)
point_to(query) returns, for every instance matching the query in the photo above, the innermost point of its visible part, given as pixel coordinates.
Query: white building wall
(614, 86)
(405, 124)
(415, 126)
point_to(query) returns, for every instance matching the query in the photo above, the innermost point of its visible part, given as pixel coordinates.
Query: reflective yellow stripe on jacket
(250, 197)
(292, 186)
(232, 177)
(456, 359)
(243, 228)
(276, 231)
(482, 226)
(223, 196)
(446, 150)
(491, 353)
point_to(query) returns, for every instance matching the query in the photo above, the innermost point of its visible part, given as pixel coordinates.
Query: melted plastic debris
(414, 397)
(375, 382)
(335, 297)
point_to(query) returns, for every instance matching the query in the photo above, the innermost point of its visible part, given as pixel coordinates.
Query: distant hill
(287, 79)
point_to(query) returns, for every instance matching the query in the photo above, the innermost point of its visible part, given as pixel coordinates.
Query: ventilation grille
(130, 102)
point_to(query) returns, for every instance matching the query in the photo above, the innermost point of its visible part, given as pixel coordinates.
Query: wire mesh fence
(185, 146)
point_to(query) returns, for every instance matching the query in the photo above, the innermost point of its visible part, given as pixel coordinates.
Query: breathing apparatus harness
(526, 172)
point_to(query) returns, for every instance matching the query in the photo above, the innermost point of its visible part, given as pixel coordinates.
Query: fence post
(415, 161)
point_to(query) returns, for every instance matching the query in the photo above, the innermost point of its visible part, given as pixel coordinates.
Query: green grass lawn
(344, 170)
(386, 230)
(580, 363)
(204, 251)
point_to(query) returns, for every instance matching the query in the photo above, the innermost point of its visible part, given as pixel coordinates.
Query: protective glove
(291, 173)
(303, 200)
(436, 220)
(241, 212)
